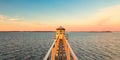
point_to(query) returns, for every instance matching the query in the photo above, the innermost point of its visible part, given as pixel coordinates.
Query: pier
(60, 48)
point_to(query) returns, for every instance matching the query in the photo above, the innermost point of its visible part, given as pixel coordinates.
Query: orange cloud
(24, 26)
(2, 17)
(106, 19)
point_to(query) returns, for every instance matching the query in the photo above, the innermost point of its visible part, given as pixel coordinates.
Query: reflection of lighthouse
(60, 31)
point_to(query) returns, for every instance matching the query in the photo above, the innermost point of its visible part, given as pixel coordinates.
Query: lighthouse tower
(60, 31)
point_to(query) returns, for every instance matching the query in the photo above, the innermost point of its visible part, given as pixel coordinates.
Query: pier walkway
(60, 49)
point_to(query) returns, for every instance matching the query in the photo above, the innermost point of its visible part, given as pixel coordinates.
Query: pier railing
(47, 56)
(74, 57)
(53, 52)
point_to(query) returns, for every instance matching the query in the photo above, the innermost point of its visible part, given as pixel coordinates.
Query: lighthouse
(60, 31)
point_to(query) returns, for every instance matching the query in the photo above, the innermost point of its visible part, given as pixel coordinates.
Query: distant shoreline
(27, 31)
(95, 31)
(67, 31)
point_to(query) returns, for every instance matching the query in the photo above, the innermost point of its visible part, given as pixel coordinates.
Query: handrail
(48, 53)
(50, 49)
(72, 53)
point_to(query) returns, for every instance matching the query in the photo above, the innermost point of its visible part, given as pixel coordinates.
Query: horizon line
(67, 31)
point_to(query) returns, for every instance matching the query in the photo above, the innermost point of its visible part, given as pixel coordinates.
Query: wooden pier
(60, 49)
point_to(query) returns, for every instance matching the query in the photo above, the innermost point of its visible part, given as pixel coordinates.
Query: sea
(34, 45)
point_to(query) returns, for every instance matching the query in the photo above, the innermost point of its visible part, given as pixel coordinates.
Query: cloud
(6, 18)
(25, 26)
(2, 17)
(107, 16)
(13, 19)
(20, 24)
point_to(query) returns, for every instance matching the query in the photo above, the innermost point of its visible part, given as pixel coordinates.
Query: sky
(47, 15)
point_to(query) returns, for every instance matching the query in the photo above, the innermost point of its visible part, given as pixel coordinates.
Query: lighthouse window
(60, 31)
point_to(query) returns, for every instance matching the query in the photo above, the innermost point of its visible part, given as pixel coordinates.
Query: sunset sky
(47, 15)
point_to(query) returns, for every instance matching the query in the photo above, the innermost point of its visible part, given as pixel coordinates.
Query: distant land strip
(67, 31)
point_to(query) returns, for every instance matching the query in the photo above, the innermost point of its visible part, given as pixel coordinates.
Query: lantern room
(60, 31)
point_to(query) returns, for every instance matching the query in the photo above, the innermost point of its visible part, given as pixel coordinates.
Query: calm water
(34, 45)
